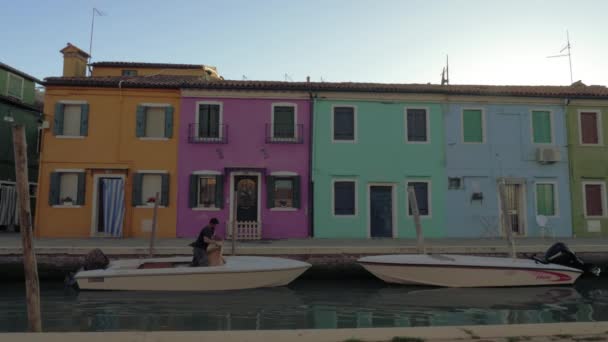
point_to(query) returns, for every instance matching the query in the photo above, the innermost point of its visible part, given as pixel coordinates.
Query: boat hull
(190, 278)
(491, 272)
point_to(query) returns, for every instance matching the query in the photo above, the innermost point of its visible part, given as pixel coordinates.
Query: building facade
(367, 150)
(244, 158)
(519, 141)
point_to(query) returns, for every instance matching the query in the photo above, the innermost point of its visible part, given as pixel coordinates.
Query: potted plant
(67, 201)
(151, 201)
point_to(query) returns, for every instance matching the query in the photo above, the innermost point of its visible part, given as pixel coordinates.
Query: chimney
(74, 61)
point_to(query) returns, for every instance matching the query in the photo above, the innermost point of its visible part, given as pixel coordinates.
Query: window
(472, 126)
(71, 119)
(154, 121)
(209, 121)
(344, 124)
(417, 125)
(283, 192)
(422, 191)
(546, 199)
(454, 183)
(67, 188)
(129, 72)
(594, 199)
(590, 125)
(15, 86)
(145, 186)
(206, 190)
(542, 127)
(345, 198)
(283, 122)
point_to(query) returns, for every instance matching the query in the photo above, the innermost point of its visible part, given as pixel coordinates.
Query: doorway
(108, 205)
(515, 206)
(246, 189)
(381, 220)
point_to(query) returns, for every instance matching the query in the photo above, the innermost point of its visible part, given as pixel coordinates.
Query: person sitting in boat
(205, 238)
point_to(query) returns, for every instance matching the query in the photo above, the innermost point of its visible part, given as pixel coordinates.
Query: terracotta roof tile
(146, 65)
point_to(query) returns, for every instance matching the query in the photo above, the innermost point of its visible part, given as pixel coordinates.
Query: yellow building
(109, 146)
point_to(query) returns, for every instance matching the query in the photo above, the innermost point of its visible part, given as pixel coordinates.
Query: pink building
(244, 154)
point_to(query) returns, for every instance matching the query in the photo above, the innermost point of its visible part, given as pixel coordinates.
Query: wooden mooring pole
(154, 224)
(416, 213)
(32, 285)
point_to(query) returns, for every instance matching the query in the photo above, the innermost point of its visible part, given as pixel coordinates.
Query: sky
(389, 41)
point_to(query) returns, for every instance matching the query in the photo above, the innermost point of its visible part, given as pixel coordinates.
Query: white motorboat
(175, 274)
(467, 271)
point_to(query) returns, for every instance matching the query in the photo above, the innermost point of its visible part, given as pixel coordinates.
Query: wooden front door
(381, 211)
(246, 200)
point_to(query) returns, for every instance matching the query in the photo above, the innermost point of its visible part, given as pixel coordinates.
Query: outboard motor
(560, 254)
(94, 260)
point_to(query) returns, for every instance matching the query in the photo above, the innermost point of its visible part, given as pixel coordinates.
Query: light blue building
(524, 144)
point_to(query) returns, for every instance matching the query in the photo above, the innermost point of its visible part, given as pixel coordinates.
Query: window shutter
(193, 191)
(58, 123)
(472, 126)
(137, 183)
(296, 192)
(54, 188)
(344, 123)
(219, 191)
(164, 189)
(541, 127)
(140, 125)
(81, 189)
(589, 128)
(84, 119)
(169, 122)
(269, 192)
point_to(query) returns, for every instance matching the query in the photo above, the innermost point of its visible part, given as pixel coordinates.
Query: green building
(17, 105)
(588, 151)
(367, 149)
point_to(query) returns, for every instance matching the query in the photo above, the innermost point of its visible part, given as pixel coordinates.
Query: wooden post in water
(32, 286)
(154, 222)
(416, 213)
(233, 223)
(506, 218)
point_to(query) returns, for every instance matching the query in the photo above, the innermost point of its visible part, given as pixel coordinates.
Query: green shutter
(269, 192)
(541, 127)
(472, 126)
(58, 123)
(296, 191)
(81, 189)
(137, 184)
(54, 188)
(219, 191)
(84, 120)
(169, 122)
(545, 199)
(193, 191)
(140, 125)
(164, 189)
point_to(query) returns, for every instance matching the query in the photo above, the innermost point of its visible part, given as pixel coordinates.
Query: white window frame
(71, 102)
(429, 189)
(603, 193)
(333, 197)
(484, 131)
(555, 197)
(551, 122)
(295, 121)
(600, 133)
(8, 83)
(428, 125)
(199, 175)
(154, 172)
(220, 122)
(155, 105)
(354, 141)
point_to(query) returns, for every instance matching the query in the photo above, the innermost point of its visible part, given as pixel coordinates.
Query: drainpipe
(312, 102)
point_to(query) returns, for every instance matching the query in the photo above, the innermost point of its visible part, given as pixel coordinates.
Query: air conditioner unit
(548, 155)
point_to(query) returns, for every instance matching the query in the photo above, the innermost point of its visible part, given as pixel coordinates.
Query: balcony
(284, 134)
(197, 134)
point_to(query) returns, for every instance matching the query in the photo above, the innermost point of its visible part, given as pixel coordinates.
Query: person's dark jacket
(206, 232)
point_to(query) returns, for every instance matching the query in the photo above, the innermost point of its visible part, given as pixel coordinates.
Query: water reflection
(307, 304)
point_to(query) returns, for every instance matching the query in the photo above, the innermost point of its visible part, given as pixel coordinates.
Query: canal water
(306, 304)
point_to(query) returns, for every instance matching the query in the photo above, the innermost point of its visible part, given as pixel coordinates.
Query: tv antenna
(244, 78)
(562, 54)
(288, 78)
(445, 73)
(101, 14)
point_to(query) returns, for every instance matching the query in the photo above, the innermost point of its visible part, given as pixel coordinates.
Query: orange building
(110, 145)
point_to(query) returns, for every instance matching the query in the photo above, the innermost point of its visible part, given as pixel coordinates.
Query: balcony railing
(201, 134)
(284, 134)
